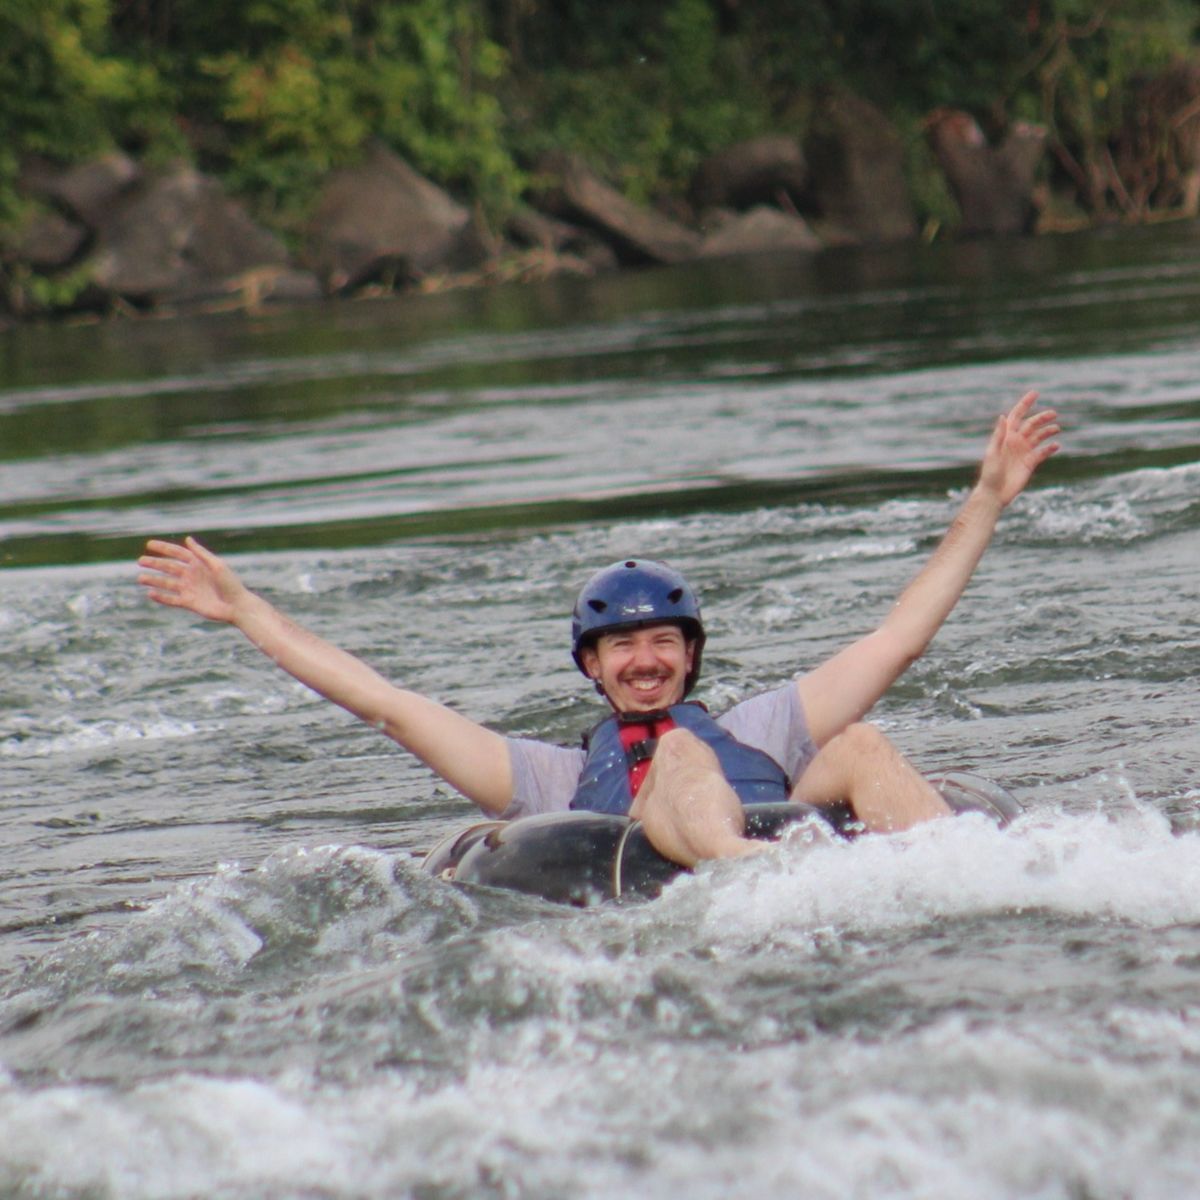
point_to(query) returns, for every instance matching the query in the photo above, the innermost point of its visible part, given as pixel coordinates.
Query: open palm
(1020, 443)
(189, 576)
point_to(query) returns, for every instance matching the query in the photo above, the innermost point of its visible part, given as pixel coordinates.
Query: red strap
(633, 732)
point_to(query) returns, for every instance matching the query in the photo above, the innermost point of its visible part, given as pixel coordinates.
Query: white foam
(69, 735)
(1060, 516)
(1125, 865)
(949, 1112)
(603, 1053)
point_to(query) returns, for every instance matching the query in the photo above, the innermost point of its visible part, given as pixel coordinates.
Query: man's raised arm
(469, 757)
(841, 690)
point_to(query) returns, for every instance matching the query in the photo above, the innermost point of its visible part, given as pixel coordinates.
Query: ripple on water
(957, 1011)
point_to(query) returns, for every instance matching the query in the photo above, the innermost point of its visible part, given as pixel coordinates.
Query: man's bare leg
(861, 766)
(686, 806)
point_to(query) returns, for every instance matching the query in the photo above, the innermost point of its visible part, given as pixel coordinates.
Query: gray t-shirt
(545, 777)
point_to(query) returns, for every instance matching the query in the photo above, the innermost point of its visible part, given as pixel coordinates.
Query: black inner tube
(586, 858)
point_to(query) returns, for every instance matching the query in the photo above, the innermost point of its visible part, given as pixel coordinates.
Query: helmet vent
(597, 605)
(675, 595)
(630, 563)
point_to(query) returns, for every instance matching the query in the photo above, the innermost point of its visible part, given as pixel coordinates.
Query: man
(806, 739)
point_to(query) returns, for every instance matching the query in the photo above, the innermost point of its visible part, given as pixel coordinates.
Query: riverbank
(112, 235)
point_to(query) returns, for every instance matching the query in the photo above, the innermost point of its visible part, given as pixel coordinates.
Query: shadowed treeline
(156, 152)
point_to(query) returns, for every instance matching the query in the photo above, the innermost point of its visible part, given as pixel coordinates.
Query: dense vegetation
(269, 94)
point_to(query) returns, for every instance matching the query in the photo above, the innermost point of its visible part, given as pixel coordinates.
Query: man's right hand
(192, 577)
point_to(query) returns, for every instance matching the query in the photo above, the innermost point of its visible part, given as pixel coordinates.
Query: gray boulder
(764, 170)
(761, 229)
(45, 242)
(178, 237)
(381, 220)
(87, 191)
(636, 234)
(529, 229)
(856, 164)
(993, 185)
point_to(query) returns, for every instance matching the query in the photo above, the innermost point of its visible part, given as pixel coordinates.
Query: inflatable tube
(967, 793)
(580, 858)
(586, 858)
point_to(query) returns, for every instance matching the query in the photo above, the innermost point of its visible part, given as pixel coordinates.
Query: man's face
(641, 670)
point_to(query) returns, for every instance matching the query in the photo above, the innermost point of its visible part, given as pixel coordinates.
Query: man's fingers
(159, 596)
(166, 566)
(1022, 406)
(1038, 434)
(167, 576)
(203, 553)
(168, 549)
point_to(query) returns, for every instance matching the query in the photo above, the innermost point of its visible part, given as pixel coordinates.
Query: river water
(222, 972)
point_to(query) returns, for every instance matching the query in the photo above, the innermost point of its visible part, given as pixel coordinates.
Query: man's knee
(680, 759)
(679, 748)
(856, 741)
(841, 762)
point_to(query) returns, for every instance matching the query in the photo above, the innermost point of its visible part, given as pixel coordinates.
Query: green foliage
(29, 293)
(706, 113)
(1089, 61)
(673, 92)
(290, 118)
(433, 92)
(297, 87)
(604, 117)
(272, 94)
(65, 94)
(933, 202)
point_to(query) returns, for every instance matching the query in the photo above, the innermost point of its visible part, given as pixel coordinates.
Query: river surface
(222, 972)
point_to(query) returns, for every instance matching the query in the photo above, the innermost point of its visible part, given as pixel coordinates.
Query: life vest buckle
(640, 752)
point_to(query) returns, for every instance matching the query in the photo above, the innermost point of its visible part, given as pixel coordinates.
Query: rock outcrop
(87, 191)
(177, 238)
(574, 192)
(147, 239)
(765, 170)
(381, 221)
(994, 186)
(760, 230)
(45, 242)
(856, 163)
(529, 229)
(109, 233)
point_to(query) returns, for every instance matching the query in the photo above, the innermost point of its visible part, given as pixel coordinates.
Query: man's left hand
(1020, 443)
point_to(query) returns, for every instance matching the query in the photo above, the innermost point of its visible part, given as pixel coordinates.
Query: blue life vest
(604, 782)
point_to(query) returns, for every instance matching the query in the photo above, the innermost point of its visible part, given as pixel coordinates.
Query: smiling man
(637, 634)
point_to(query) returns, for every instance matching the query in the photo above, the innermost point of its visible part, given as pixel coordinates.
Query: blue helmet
(633, 593)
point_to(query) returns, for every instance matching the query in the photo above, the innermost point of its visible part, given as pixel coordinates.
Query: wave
(346, 907)
(882, 1017)
(69, 735)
